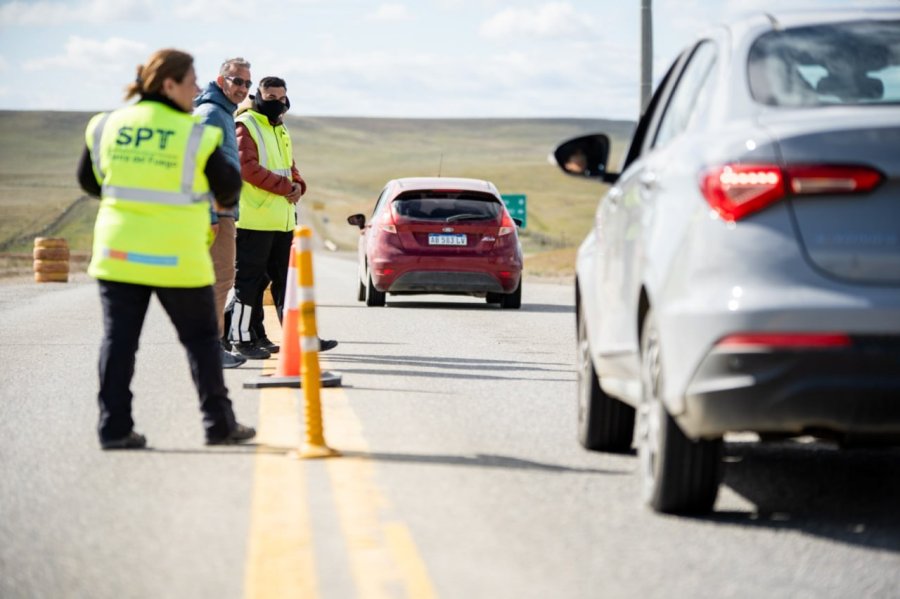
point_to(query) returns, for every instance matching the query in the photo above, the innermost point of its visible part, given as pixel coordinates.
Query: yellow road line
(280, 558)
(280, 555)
(413, 570)
(382, 554)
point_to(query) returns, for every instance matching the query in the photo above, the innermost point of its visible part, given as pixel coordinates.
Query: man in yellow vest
(272, 188)
(155, 167)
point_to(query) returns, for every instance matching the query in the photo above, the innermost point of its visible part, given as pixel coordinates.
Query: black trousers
(261, 256)
(193, 312)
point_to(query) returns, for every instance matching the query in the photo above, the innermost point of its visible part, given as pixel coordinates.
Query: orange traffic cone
(289, 356)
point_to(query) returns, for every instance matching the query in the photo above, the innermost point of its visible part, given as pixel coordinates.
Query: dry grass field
(345, 161)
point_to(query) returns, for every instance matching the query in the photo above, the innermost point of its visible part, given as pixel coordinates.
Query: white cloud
(48, 12)
(213, 10)
(4, 64)
(227, 10)
(378, 67)
(469, 5)
(391, 12)
(552, 20)
(62, 12)
(524, 83)
(83, 54)
(739, 7)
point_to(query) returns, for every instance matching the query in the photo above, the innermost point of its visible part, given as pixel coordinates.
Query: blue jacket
(214, 108)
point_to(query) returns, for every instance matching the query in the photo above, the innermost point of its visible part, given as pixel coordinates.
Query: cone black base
(327, 379)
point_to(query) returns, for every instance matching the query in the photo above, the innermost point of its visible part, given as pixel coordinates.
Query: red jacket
(256, 174)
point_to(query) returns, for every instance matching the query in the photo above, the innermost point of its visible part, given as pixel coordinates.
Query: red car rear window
(447, 206)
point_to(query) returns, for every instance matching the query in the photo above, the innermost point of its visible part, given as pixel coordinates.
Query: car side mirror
(585, 156)
(357, 220)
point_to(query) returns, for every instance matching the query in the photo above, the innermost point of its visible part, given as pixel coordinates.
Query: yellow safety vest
(153, 221)
(259, 209)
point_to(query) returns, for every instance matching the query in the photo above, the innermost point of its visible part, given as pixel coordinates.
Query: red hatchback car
(439, 235)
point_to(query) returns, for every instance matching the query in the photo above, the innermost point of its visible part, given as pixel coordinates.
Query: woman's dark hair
(162, 64)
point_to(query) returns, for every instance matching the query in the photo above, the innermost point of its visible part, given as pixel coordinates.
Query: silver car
(743, 271)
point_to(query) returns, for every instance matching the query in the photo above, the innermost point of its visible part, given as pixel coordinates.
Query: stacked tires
(51, 260)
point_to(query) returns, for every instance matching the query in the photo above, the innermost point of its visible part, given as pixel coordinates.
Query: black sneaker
(132, 440)
(326, 344)
(267, 344)
(238, 434)
(251, 351)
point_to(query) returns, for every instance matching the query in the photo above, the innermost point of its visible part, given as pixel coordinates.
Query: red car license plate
(446, 239)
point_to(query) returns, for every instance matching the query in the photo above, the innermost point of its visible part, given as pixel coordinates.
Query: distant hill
(346, 162)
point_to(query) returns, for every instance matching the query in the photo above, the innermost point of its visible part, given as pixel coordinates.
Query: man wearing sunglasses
(215, 106)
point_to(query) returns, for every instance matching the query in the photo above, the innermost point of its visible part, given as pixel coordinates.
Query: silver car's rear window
(447, 206)
(840, 63)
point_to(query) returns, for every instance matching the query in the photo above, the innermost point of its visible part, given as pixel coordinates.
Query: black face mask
(273, 109)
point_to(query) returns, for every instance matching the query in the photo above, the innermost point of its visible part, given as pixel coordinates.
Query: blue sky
(403, 58)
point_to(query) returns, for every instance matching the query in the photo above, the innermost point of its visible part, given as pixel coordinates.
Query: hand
(294, 196)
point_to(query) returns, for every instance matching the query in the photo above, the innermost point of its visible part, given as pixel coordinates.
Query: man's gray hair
(238, 62)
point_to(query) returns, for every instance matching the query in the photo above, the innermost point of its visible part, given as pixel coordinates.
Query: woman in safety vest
(155, 168)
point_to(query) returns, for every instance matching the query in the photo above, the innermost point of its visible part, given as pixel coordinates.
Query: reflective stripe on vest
(137, 194)
(263, 153)
(155, 260)
(95, 154)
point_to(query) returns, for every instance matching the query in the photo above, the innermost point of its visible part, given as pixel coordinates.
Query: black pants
(261, 256)
(192, 311)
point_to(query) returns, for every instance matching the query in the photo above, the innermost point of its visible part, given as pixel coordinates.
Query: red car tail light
(785, 341)
(736, 190)
(507, 226)
(387, 221)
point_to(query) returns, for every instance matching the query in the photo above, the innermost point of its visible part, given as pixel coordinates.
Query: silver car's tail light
(736, 190)
(784, 341)
(806, 180)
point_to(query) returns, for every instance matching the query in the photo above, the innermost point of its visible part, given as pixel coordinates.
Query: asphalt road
(460, 474)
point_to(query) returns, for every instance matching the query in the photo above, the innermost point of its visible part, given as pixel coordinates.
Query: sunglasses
(238, 81)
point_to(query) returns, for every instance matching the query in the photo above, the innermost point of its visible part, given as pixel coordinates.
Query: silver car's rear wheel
(604, 423)
(678, 475)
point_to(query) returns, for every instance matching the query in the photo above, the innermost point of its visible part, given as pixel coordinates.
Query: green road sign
(515, 203)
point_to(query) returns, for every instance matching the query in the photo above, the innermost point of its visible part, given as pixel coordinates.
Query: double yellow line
(281, 557)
